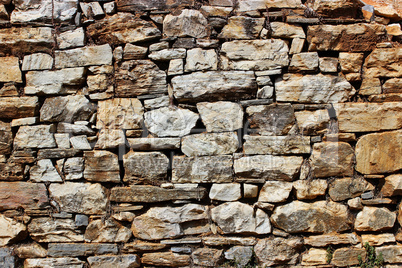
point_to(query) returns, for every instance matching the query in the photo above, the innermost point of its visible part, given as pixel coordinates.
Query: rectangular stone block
(78, 249)
(18, 107)
(14, 195)
(85, 56)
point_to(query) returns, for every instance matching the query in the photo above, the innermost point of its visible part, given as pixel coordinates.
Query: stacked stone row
(187, 133)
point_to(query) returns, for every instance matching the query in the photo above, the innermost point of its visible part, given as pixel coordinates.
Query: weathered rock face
(80, 249)
(209, 144)
(385, 8)
(86, 56)
(385, 62)
(275, 191)
(332, 159)
(225, 191)
(14, 107)
(149, 144)
(336, 8)
(221, 116)
(168, 259)
(101, 166)
(43, 262)
(199, 59)
(332, 239)
(220, 85)
(144, 166)
(11, 230)
(188, 23)
(107, 232)
(317, 217)
(123, 28)
(313, 89)
(44, 171)
(149, 79)
(217, 169)
(374, 219)
(344, 257)
(245, 5)
(256, 55)
(353, 37)
(208, 257)
(31, 250)
(170, 121)
(268, 167)
(10, 70)
(312, 122)
(6, 138)
(236, 217)
(310, 189)
(314, 256)
(392, 185)
(40, 136)
(378, 152)
(22, 195)
(277, 145)
(345, 188)
(278, 250)
(54, 230)
(129, 260)
(240, 27)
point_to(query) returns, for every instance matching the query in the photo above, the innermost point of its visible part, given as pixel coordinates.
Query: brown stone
(348, 38)
(141, 246)
(11, 171)
(14, 195)
(345, 257)
(18, 107)
(101, 166)
(275, 251)
(145, 5)
(241, 27)
(54, 230)
(346, 188)
(10, 70)
(379, 152)
(386, 8)
(207, 257)
(11, 231)
(336, 8)
(383, 62)
(332, 239)
(392, 185)
(107, 231)
(374, 219)
(166, 259)
(6, 138)
(393, 85)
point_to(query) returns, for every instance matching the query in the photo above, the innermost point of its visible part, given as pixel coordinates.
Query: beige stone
(240, 27)
(49, 262)
(392, 185)
(11, 230)
(206, 257)
(332, 239)
(312, 122)
(386, 8)
(370, 86)
(108, 231)
(345, 257)
(199, 59)
(45, 230)
(101, 166)
(275, 191)
(225, 191)
(221, 116)
(378, 240)
(247, 5)
(374, 219)
(393, 85)
(310, 189)
(276, 145)
(307, 61)
(275, 251)
(10, 70)
(209, 144)
(285, 30)
(383, 62)
(18, 107)
(314, 256)
(328, 64)
(39, 136)
(168, 259)
(188, 23)
(31, 250)
(351, 62)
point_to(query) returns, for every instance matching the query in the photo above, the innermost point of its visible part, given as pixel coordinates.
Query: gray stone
(168, 54)
(225, 191)
(45, 230)
(275, 191)
(10, 231)
(44, 171)
(200, 60)
(221, 116)
(346, 188)
(80, 249)
(101, 166)
(39, 136)
(276, 145)
(86, 56)
(74, 129)
(71, 39)
(54, 262)
(374, 219)
(129, 260)
(38, 61)
(188, 23)
(176, 66)
(149, 144)
(133, 52)
(239, 254)
(156, 103)
(81, 220)
(92, 9)
(80, 142)
(209, 144)
(275, 251)
(328, 65)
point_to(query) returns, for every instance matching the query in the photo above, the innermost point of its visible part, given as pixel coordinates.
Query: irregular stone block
(298, 217)
(314, 256)
(44, 171)
(346, 188)
(336, 8)
(349, 38)
(221, 116)
(209, 144)
(37, 61)
(199, 60)
(307, 61)
(168, 259)
(54, 262)
(378, 240)
(18, 107)
(7, 259)
(229, 241)
(256, 55)
(101, 166)
(170, 121)
(10, 70)
(285, 30)
(11, 231)
(275, 191)
(207, 257)
(30, 250)
(14, 195)
(241, 27)
(367, 117)
(332, 159)
(264, 167)
(45, 230)
(85, 56)
(351, 62)
(149, 78)
(313, 122)
(73, 168)
(129, 260)
(108, 231)
(149, 144)
(71, 39)
(345, 257)
(379, 152)
(215, 169)
(76, 197)
(374, 219)
(151, 194)
(133, 52)
(328, 65)
(240, 254)
(10, 171)
(313, 88)
(278, 250)
(276, 145)
(168, 54)
(391, 254)
(236, 217)
(246, 5)
(144, 167)
(332, 239)
(110, 138)
(67, 109)
(57, 153)
(188, 23)
(80, 142)
(79, 249)
(392, 185)
(6, 138)
(225, 191)
(40, 136)
(393, 85)
(212, 86)
(54, 82)
(385, 8)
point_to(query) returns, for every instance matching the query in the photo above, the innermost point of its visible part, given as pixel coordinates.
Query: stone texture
(39, 136)
(392, 185)
(73, 168)
(133, 52)
(127, 260)
(77, 197)
(86, 56)
(349, 38)
(229, 240)
(187, 23)
(332, 239)
(110, 138)
(241, 255)
(374, 219)
(206, 257)
(393, 85)
(378, 240)
(11, 230)
(22, 195)
(276, 145)
(43, 10)
(310, 189)
(101, 166)
(258, 55)
(345, 257)
(336, 8)
(149, 79)
(241, 27)
(221, 116)
(71, 38)
(236, 217)
(54, 262)
(379, 152)
(225, 191)
(351, 62)
(18, 107)
(199, 60)
(332, 159)
(38, 61)
(314, 256)
(210, 86)
(166, 222)
(10, 70)
(313, 122)
(67, 109)
(30, 250)
(150, 194)
(285, 30)
(246, 5)
(149, 144)
(44, 171)
(45, 230)
(170, 121)
(54, 82)
(168, 54)
(383, 62)
(168, 259)
(274, 119)
(108, 231)
(304, 62)
(275, 191)
(328, 64)
(317, 217)
(365, 117)
(209, 144)
(313, 88)
(278, 251)
(268, 167)
(216, 169)
(347, 188)
(80, 249)
(385, 8)
(6, 138)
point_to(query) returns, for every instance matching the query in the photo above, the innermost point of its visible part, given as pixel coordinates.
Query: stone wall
(139, 133)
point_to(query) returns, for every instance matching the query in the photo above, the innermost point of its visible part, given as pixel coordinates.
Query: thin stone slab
(332, 239)
(45, 230)
(149, 144)
(54, 262)
(86, 56)
(18, 107)
(101, 166)
(78, 249)
(276, 145)
(129, 260)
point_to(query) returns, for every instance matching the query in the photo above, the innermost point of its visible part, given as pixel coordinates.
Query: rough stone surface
(54, 230)
(6, 138)
(317, 217)
(40, 136)
(86, 56)
(108, 231)
(345, 257)
(44, 171)
(221, 116)
(10, 70)
(275, 191)
(31, 250)
(11, 230)
(128, 260)
(207, 257)
(80, 249)
(310, 189)
(392, 185)
(313, 122)
(276, 145)
(241, 27)
(385, 8)
(314, 256)
(245, 5)
(22, 195)
(168, 259)
(225, 191)
(332, 239)
(391, 254)
(54, 262)
(278, 250)
(14, 107)
(346, 188)
(38, 61)
(374, 219)
(71, 38)
(383, 62)
(304, 62)
(209, 144)
(101, 166)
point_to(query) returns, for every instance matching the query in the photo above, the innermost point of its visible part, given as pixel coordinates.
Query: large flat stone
(386, 8)
(122, 28)
(18, 107)
(188, 23)
(267, 167)
(209, 144)
(313, 88)
(346, 257)
(127, 260)
(379, 152)
(166, 259)
(317, 217)
(145, 5)
(40, 136)
(152, 194)
(374, 219)
(275, 251)
(101, 166)
(45, 230)
(209, 86)
(367, 117)
(349, 38)
(391, 254)
(276, 145)
(383, 62)
(332, 239)
(149, 79)
(221, 116)
(10, 70)
(79, 249)
(107, 231)
(14, 195)
(85, 56)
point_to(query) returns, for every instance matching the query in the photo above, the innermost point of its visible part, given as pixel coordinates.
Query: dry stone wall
(220, 133)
